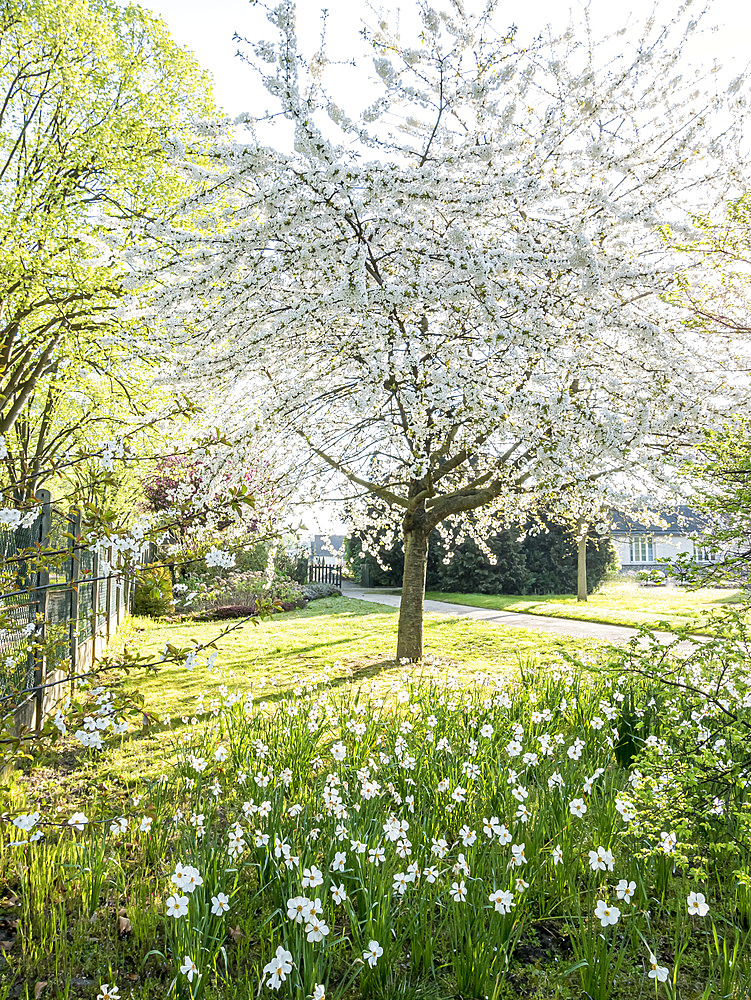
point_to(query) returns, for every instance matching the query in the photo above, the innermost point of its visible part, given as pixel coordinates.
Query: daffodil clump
(340, 839)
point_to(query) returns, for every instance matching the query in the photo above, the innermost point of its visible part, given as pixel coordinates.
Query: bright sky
(207, 28)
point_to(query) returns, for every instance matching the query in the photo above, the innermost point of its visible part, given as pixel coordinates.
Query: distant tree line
(542, 561)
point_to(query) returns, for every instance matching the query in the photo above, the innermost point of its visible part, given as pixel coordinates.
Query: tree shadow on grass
(351, 608)
(357, 673)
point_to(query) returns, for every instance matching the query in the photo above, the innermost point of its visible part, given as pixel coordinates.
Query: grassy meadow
(616, 602)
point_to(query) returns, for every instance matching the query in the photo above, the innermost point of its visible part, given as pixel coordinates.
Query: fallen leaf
(236, 934)
(38, 989)
(124, 926)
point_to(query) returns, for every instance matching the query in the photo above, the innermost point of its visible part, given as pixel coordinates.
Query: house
(641, 543)
(328, 549)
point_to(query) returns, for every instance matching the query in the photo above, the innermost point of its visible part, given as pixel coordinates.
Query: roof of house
(319, 547)
(676, 521)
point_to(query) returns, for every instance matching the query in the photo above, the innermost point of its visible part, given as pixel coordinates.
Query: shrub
(544, 562)
(258, 606)
(255, 560)
(313, 591)
(153, 592)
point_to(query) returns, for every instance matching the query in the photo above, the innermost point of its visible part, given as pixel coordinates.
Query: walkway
(516, 619)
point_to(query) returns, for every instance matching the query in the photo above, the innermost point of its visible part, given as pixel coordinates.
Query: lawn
(299, 816)
(345, 634)
(617, 602)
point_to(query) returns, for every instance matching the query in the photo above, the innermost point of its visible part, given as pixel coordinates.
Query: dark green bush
(544, 562)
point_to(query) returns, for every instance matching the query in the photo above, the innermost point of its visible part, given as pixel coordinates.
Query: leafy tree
(718, 297)
(188, 482)
(91, 96)
(552, 558)
(456, 301)
(722, 472)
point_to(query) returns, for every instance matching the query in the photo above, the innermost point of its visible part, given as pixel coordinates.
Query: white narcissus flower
(186, 877)
(668, 842)
(491, 827)
(658, 972)
(78, 821)
(311, 877)
(177, 906)
(697, 904)
(108, 992)
(601, 859)
(606, 913)
(27, 822)
(276, 971)
(502, 900)
(315, 929)
(219, 904)
(340, 861)
(189, 968)
(518, 856)
(459, 891)
(372, 953)
(338, 893)
(298, 908)
(625, 890)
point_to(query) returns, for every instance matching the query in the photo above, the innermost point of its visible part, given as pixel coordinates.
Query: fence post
(75, 579)
(39, 598)
(94, 602)
(108, 606)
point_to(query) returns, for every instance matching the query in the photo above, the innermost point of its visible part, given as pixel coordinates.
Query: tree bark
(409, 636)
(581, 569)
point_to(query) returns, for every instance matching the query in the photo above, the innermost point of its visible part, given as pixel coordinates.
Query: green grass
(619, 602)
(328, 699)
(350, 635)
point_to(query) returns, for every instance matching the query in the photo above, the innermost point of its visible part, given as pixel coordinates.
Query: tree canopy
(458, 300)
(92, 94)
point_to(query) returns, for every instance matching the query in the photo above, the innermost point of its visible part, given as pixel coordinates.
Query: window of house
(641, 549)
(703, 554)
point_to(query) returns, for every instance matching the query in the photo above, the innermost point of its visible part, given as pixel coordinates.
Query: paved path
(516, 619)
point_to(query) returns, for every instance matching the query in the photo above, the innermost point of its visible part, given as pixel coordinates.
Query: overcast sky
(207, 28)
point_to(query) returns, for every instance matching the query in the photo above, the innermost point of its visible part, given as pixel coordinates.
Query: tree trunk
(409, 637)
(581, 573)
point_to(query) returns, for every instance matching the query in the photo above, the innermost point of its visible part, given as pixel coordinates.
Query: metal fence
(58, 611)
